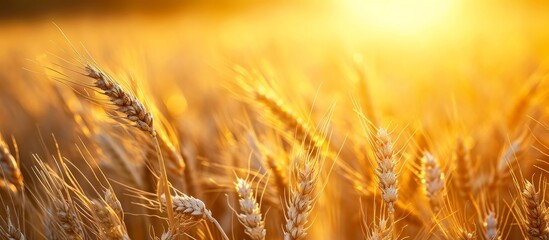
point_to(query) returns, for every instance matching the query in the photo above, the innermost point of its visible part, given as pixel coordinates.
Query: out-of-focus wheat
(433, 180)
(9, 168)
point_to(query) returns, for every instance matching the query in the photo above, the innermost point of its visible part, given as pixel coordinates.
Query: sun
(399, 16)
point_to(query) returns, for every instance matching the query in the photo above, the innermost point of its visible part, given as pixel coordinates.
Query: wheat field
(309, 120)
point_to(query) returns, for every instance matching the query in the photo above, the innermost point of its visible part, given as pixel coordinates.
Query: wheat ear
(136, 112)
(9, 168)
(535, 221)
(491, 226)
(303, 132)
(301, 201)
(506, 160)
(108, 224)
(188, 211)
(387, 176)
(250, 217)
(463, 170)
(12, 232)
(63, 213)
(68, 220)
(381, 231)
(433, 181)
(112, 201)
(278, 173)
(126, 103)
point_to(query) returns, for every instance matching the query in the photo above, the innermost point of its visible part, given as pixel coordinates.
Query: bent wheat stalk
(136, 112)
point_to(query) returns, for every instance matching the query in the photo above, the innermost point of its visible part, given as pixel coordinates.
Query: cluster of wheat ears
(247, 163)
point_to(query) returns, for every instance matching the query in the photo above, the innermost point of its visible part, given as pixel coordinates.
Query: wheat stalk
(250, 217)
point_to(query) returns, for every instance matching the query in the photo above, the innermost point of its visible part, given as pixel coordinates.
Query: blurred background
(405, 44)
(420, 57)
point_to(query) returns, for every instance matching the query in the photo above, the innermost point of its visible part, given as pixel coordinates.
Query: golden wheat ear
(463, 170)
(535, 213)
(125, 103)
(386, 173)
(9, 169)
(188, 211)
(306, 172)
(11, 232)
(109, 225)
(250, 216)
(491, 226)
(433, 181)
(62, 214)
(126, 108)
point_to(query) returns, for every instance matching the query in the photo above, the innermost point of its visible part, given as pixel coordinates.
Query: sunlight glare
(399, 16)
